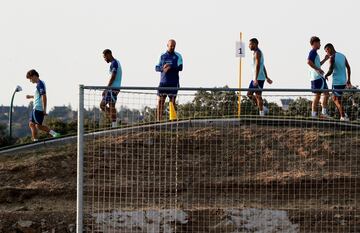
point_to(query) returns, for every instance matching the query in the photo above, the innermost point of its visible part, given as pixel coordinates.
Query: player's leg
(33, 131)
(250, 94)
(316, 85)
(324, 103)
(39, 115)
(43, 128)
(112, 108)
(340, 108)
(112, 113)
(160, 107)
(259, 100)
(172, 96)
(325, 99)
(32, 125)
(338, 101)
(173, 100)
(105, 102)
(315, 104)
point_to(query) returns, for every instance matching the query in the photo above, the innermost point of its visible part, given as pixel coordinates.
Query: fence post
(80, 160)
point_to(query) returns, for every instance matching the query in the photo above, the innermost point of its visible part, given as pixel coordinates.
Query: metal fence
(213, 168)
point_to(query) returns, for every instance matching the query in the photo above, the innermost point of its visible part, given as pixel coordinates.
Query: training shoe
(345, 118)
(56, 135)
(114, 124)
(266, 110)
(325, 116)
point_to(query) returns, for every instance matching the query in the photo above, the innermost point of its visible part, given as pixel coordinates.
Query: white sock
(261, 113)
(313, 114)
(114, 124)
(35, 140)
(52, 132)
(324, 111)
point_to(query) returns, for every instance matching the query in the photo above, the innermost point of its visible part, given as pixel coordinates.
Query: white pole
(80, 161)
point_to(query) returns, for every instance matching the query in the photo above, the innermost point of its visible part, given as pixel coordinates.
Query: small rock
(71, 228)
(25, 224)
(22, 208)
(226, 226)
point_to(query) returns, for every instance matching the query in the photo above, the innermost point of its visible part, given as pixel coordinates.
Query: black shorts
(259, 86)
(37, 117)
(170, 93)
(339, 87)
(110, 96)
(319, 84)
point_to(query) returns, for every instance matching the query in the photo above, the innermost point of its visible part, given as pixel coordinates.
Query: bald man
(170, 64)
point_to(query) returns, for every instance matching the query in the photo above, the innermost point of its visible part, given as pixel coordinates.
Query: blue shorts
(37, 117)
(338, 93)
(168, 92)
(110, 96)
(259, 86)
(319, 84)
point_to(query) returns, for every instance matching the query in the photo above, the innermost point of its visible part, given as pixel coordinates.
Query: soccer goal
(202, 164)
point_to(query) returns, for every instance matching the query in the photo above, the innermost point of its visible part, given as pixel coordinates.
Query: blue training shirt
(115, 67)
(39, 91)
(339, 74)
(176, 64)
(261, 75)
(314, 57)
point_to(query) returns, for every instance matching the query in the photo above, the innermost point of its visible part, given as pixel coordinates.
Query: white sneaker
(345, 118)
(313, 114)
(266, 110)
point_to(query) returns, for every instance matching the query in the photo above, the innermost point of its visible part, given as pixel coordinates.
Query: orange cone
(172, 115)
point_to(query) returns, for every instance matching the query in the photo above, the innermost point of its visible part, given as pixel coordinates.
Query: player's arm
(159, 66)
(257, 64)
(348, 72)
(311, 62)
(325, 59)
(331, 68)
(44, 102)
(312, 65)
(267, 77)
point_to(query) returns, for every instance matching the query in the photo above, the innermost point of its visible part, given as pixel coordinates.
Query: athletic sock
(324, 111)
(313, 114)
(52, 132)
(35, 140)
(114, 124)
(261, 113)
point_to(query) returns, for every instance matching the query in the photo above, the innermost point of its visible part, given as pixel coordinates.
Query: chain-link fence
(204, 166)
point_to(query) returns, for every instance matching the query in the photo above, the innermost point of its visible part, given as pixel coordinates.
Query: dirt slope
(313, 174)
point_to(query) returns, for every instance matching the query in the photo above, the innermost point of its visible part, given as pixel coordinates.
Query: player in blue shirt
(318, 82)
(338, 67)
(170, 64)
(110, 96)
(39, 110)
(259, 76)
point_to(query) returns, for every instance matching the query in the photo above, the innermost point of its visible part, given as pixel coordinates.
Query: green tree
(300, 107)
(4, 137)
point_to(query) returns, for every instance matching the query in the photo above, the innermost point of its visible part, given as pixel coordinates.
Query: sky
(63, 40)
